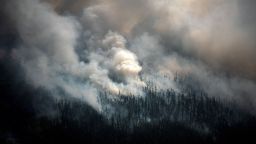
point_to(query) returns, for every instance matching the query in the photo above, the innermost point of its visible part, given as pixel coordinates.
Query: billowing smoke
(82, 47)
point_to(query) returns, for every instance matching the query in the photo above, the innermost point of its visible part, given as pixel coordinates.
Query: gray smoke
(82, 46)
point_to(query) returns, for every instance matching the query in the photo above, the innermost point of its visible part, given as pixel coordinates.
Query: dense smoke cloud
(83, 46)
(47, 52)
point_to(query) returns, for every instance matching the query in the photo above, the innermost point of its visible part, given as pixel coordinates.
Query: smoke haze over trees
(126, 59)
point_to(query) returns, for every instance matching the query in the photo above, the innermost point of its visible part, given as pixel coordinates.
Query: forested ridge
(161, 116)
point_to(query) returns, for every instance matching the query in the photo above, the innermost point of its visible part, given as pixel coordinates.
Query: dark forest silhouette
(189, 116)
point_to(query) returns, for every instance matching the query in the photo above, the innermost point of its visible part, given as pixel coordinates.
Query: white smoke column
(124, 61)
(120, 61)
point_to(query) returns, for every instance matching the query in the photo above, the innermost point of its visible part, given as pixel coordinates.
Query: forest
(164, 116)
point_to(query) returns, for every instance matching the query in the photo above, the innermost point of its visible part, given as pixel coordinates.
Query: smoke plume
(82, 47)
